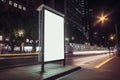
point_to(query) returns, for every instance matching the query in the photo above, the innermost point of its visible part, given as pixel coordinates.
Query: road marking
(104, 62)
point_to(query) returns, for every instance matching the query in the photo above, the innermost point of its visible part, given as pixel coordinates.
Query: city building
(74, 12)
(78, 20)
(22, 14)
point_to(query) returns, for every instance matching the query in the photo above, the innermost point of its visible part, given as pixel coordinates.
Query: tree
(19, 34)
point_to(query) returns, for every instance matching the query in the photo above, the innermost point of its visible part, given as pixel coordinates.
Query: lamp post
(117, 42)
(101, 19)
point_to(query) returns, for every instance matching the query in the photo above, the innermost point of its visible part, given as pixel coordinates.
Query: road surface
(99, 67)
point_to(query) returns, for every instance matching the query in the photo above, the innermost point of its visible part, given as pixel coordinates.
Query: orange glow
(112, 36)
(102, 18)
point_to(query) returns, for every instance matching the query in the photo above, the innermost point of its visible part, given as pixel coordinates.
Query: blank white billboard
(53, 36)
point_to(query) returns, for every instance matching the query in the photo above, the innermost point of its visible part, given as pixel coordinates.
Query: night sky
(111, 7)
(108, 6)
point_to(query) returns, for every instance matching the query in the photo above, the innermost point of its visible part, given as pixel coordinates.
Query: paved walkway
(52, 71)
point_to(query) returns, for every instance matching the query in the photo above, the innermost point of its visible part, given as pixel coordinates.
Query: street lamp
(102, 18)
(112, 37)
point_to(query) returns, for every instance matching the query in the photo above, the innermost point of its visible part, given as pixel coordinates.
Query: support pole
(117, 42)
(41, 39)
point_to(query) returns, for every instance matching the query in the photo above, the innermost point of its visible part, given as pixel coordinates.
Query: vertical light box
(53, 36)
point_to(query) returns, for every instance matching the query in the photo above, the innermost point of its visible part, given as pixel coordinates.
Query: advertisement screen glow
(53, 36)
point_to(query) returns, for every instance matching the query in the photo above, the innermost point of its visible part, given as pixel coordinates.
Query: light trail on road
(91, 52)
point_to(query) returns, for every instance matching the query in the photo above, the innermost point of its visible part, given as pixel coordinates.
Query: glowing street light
(67, 39)
(112, 37)
(102, 18)
(73, 38)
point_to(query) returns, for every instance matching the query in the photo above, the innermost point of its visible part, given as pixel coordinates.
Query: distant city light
(19, 33)
(0, 37)
(10, 2)
(31, 41)
(73, 38)
(15, 4)
(27, 40)
(7, 39)
(20, 6)
(66, 39)
(24, 8)
(112, 37)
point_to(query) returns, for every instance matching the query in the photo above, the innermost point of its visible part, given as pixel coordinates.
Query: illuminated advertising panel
(53, 36)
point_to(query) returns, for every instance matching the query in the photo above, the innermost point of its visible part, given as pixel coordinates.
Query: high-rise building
(75, 11)
(87, 20)
(24, 7)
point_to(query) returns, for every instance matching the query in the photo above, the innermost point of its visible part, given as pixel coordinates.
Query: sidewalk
(52, 71)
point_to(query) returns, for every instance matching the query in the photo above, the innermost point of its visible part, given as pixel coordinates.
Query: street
(93, 67)
(99, 67)
(88, 60)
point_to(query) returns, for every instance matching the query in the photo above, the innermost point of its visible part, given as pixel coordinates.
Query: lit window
(24, 8)
(19, 6)
(78, 10)
(27, 40)
(3, 0)
(15, 4)
(10, 2)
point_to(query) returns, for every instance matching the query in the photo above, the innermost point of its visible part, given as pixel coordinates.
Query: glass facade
(75, 14)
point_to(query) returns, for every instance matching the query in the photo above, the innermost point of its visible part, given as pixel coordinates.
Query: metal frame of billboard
(41, 10)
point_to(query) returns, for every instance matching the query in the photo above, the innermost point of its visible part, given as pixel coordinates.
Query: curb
(62, 74)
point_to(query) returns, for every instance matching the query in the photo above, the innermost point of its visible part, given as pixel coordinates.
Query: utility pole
(117, 42)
